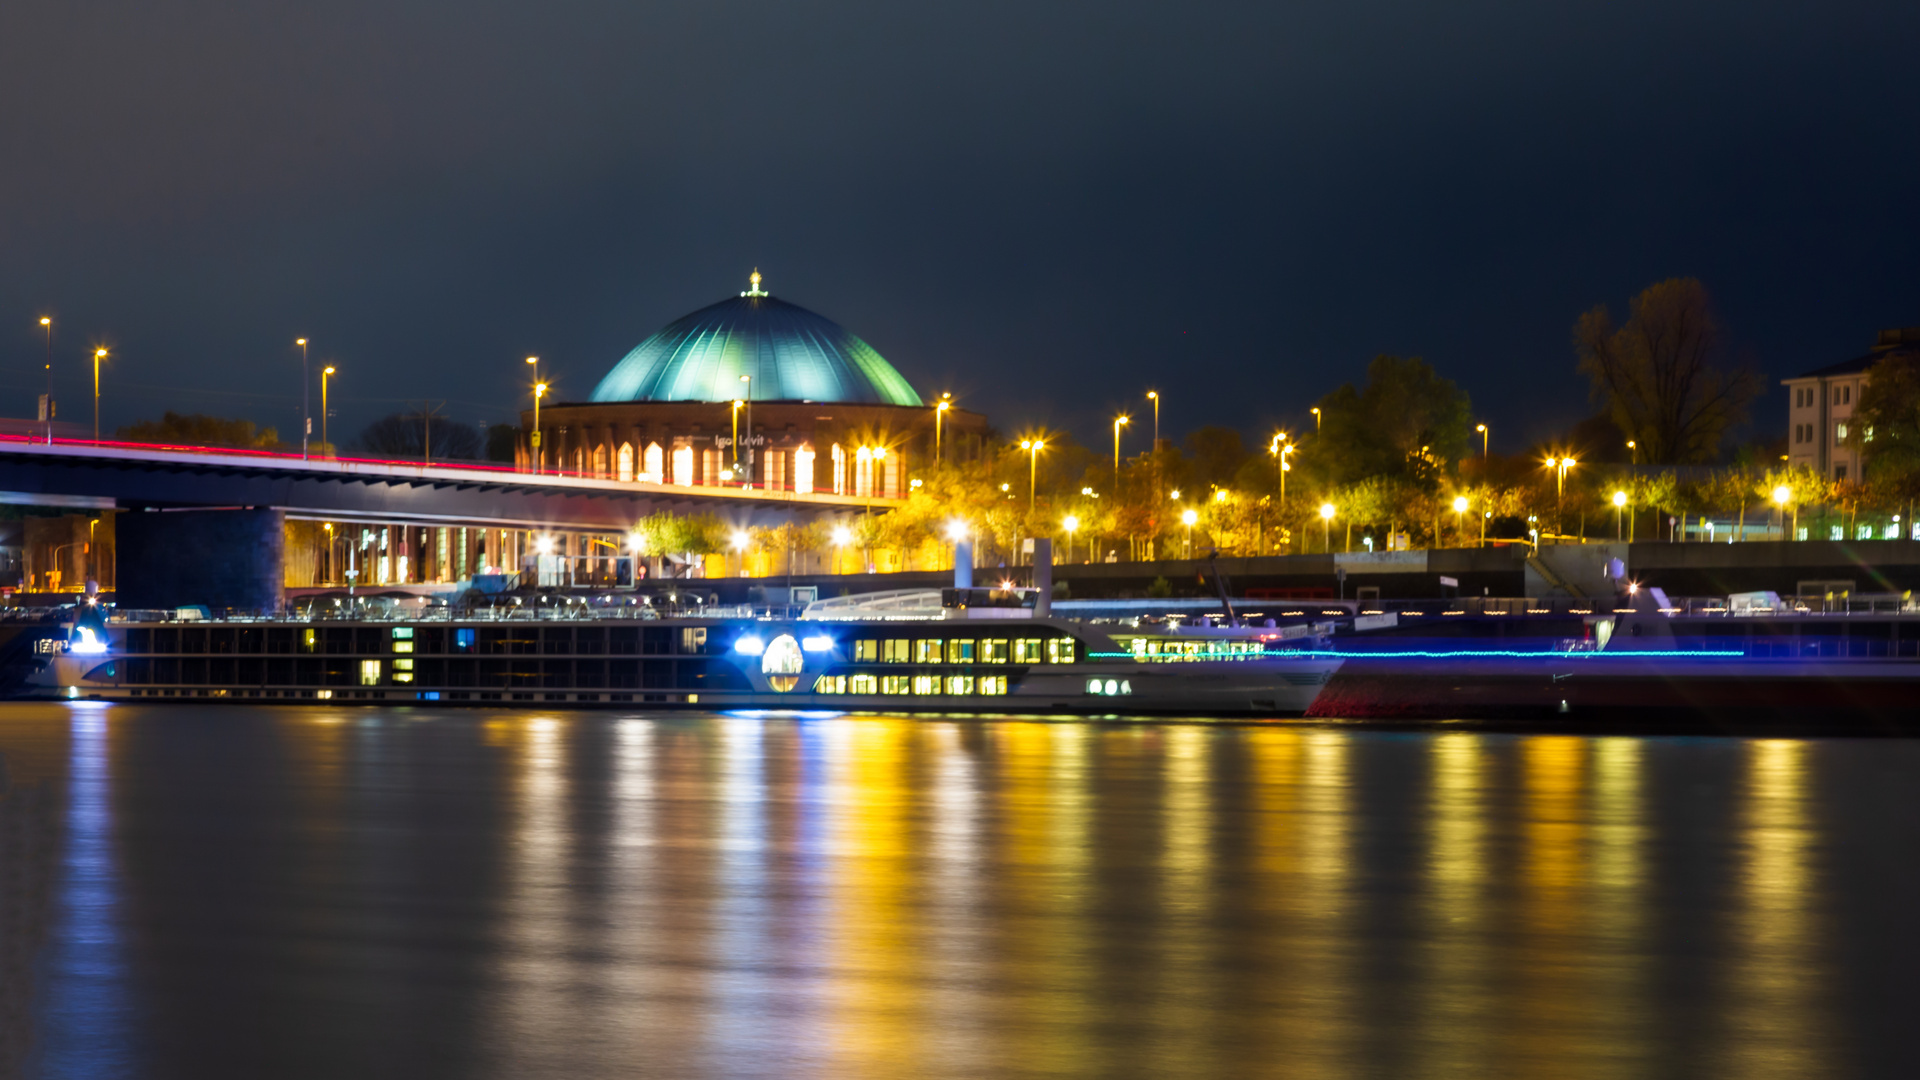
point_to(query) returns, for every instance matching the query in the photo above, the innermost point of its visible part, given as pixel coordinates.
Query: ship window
(926, 651)
(993, 684)
(403, 676)
(895, 684)
(895, 651)
(465, 638)
(1026, 650)
(403, 665)
(926, 684)
(403, 646)
(866, 649)
(994, 651)
(369, 673)
(830, 684)
(309, 639)
(959, 684)
(403, 633)
(960, 651)
(864, 684)
(1060, 650)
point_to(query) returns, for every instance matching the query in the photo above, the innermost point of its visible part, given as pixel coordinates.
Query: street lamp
(939, 416)
(306, 400)
(1118, 423)
(325, 373)
(1459, 508)
(1070, 523)
(737, 404)
(1482, 429)
(1188, 518)
(1560, 467)
(748, 475)
(539, 391)
(1033, 448)
(1619, 506)
(48, 408)
(98, 355)
(1316, 420)
(1326, 525)
(1633, 452)
(1280, 448)
(1783, 495)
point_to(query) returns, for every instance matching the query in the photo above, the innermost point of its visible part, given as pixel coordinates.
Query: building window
(683, 466)
(1846, 394)
(653, 464)
(960, 651)
(895, 651)
(863, 684)
(1026, 651)
(1839, 472)
(993, 684)
(1060, 650)
(830, 684)
(895, 684)
(959, 684)
(369, 673)
(866, 650)
(926, 684)
(803, 470)
(1863, 532)
(626, 463)
(926, 651)
(994, 651)
(1839, 434)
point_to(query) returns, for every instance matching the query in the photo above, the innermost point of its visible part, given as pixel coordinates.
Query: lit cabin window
(1060, 650)
(369, 673)
(864, 684)
(830, 684)
(895, 651)
(866, 649)
(403, 665)
(959, 684)
(926, 684)
(403, 633)
(1027, 651)
(994, 651)
(308, 639)
(960, 651)
(993, 684)
(465, 638)
(926, 651)
(895, 684)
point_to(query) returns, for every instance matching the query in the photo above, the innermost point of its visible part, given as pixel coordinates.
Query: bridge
(204, 519)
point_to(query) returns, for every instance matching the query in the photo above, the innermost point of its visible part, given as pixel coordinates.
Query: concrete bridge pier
(220, 558)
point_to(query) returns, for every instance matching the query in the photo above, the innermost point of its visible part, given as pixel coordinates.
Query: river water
(322, 892)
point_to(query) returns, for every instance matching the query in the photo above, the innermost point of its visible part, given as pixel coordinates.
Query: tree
(406, 435)
(502, 441)
(1407, 424)
(1662, 376)
(195, 429)
(1886, 423)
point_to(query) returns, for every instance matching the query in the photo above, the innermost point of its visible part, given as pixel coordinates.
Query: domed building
(816, 409)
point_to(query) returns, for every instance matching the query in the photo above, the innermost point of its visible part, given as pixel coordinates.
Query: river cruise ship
(937, 651)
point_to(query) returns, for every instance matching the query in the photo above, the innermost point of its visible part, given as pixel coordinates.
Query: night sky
(1046, 209)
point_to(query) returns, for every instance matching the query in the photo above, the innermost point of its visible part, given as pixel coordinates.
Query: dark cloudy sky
(1046, 208)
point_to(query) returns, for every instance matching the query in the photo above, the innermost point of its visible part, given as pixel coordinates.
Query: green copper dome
(791, 353)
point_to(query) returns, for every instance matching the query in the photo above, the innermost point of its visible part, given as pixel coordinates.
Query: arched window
(803, 470)
(625, 474)
(654, 469)
(683, 465)
(600, 462)
(839, 469)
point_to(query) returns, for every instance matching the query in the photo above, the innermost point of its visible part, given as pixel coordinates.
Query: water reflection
(870, 896)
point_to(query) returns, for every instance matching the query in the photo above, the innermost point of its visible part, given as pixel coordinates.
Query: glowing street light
(1033, 448)
(747, 474)
(1619, 507)
(1316, 420)
(1783, 495)
(1118, 423)
(1560, 467)
(737, 405)
(939, 417)
(306, 400)
(539, 391)
(1326, 525)
(48, 323)
(1482, 429)
(325, 374)
(1280, 448)
(1188, 518)
(98, 355)
(1070, 523)
(1459, 508)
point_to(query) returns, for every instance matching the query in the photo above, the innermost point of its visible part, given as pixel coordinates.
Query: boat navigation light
(85, 643)
(817, 643)
(749, 645)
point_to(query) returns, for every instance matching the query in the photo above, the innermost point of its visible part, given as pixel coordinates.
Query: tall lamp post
(1118, 423)
(747, 477)
(1619, 507)
(1459, 528)
(48, 407)
(1154, 396)
(1187, 518)
(325, 374)
(1482, 429)
(98, 355)
(1559, 467)
(1782, 495)
(939, 417)
(736, 436)
(1326, 526)
(1316, 420)
(1033, 448)
(306, 399)
(539, 391)
(1070, 524)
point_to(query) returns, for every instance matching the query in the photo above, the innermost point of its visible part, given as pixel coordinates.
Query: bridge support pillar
(219, 558)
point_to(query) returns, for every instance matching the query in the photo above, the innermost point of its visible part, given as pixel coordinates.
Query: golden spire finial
(753, 284)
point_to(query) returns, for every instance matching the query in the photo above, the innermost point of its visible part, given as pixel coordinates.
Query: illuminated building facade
(814, 409)
(1821, 405)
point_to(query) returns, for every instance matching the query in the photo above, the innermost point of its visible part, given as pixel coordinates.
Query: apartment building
(1821, 405)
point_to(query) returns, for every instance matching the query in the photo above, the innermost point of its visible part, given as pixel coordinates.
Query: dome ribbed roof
(792, 354)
